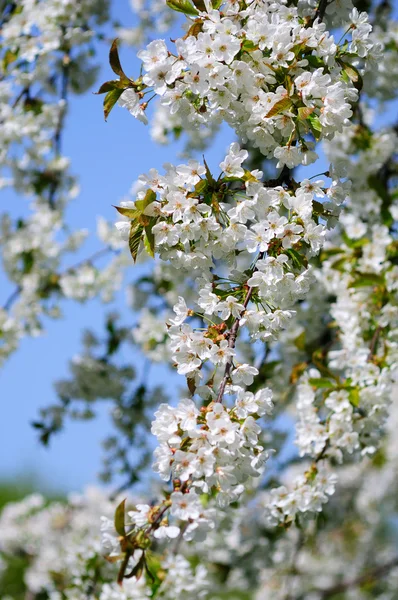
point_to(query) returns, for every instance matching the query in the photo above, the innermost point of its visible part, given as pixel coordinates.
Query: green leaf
(110, 100)
(248, 176)
(183, 6)
(135, 239)
(298, 260)
(149, 197)
(319, 209)
(201, 186)
(299, 341)
(321, 382)
(248, 46)
(304, 112)
(209, 176)
(315, 61)
(137, 570)
(345, 77)
(354, 396)
(111, 85)
(114, 61)
(130, 213)
(216, 4)
(377, 184)
(9, 58)
(367, 280)
(149, 239)
(33, 105)
(119, 518)
(339, 264)
(200, 5)
(315, 126)
(330, 252)
(353, 74)
(353, 243)
(279, 107)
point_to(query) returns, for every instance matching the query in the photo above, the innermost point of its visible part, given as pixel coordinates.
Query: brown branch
(98, 254)
(57, 141)
(373, 343)
(180, 538)
(369, 577)
(320, 11)
(232, 335)
(12, 298)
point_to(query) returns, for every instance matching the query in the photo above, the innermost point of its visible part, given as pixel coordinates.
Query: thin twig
(232, 335)
(320, 11)
(11, 299)
(57, 142)
(98, 254)
(90, 259)
(374, 341)
(370, 576)
(180, 539)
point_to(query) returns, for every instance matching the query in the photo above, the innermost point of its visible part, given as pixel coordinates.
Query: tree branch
(232, 335)
(98, 254)
(370, 576)
(57, 142)
(320, 11)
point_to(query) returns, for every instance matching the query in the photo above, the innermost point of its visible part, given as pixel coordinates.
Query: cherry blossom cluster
(43, 52)
(246, 246)
(343, 408)
(66, 556)
(64, 549)
(214, 448)
(278, 80)
(338, 556)
(243, 244)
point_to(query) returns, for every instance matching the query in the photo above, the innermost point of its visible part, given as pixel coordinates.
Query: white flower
(244, 373)
(228, 307)
(181, 311)
(129, 99)
(185, 506)
(166, 532)
(231, 165)
(187, 414)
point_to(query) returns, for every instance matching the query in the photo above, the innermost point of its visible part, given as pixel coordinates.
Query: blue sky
(107, 158)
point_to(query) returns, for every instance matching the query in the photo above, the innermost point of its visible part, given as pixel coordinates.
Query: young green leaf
(111, 85)
(353, 74)
(119, 518)
(130, 213)
(114, 61)
(149, 197)
(149, 239)
(135, 239)
(304, 112)
(354, 396)
(321, 382)
(279, 107)
(367, 280)
(110, 100)
(200, 5)
(183, 6)
(315, 126)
